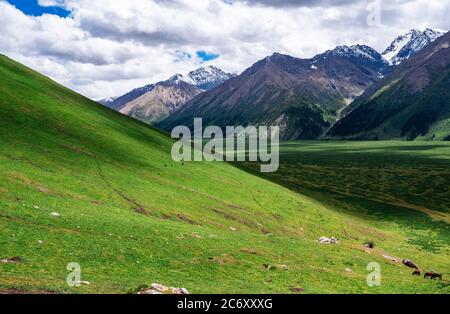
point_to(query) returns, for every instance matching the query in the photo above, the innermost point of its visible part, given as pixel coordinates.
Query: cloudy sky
(105, 48)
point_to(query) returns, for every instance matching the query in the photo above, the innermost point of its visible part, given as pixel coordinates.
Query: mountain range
(302, 96)
(413, 102)
(154, 102)
(307, 98)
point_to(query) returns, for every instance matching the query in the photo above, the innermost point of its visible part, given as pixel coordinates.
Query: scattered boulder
(157, 288)
(348, 270)
(410, 264)
(325, 240)
(149, 291)
(55, 214)
(79, 283)
(392, 259)
(13, 260)
(179, 290)
(283, 267)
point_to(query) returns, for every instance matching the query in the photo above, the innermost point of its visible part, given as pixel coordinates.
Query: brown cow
(432, 275)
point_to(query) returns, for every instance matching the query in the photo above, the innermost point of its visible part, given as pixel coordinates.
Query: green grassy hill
(129, 215)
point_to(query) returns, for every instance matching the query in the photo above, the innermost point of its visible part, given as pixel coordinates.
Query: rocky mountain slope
(161, 101)
(205, 78)
(413, 102)
(302, 96)
(117, 103)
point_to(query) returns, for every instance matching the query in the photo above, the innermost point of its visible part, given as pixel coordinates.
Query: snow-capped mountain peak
(405, 46)
(355, 51)
(205, 78)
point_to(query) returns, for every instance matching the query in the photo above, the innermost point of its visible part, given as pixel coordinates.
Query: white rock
(55, 214)
(149, 291)
(392, 259)
(284, 267)
(326, 240)
(87, 283)
(156, 288)
(159, 288)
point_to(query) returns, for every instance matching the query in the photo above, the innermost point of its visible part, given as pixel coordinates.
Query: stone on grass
(325, 240)
(157, 288)
(392, 259)
(13, 260)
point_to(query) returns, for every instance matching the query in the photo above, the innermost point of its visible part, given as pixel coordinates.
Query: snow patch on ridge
(407, 45)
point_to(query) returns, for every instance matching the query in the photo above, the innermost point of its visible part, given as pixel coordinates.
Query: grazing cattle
(410, 264)
(432, 275)
(416, 273)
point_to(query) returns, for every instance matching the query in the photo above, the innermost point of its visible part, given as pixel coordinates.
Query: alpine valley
(88, 184)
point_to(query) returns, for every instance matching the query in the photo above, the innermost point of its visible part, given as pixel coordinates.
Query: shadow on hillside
(415, 223)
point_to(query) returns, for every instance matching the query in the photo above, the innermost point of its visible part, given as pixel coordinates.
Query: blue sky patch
(31, 7)
(207, 56)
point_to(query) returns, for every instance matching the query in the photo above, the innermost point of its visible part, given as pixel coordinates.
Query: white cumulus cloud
(106, 48)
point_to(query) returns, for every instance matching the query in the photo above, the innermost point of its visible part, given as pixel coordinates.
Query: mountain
(405, 46)
(302, 96)
(161, 101)
(413, 102)
(205, 78)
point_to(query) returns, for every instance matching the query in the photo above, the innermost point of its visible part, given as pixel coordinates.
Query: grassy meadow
(130, 216)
